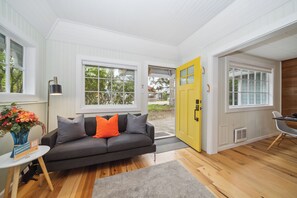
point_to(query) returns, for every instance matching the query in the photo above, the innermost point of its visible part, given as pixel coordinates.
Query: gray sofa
(89, 151)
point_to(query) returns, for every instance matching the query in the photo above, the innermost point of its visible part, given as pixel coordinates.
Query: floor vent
(240, 135)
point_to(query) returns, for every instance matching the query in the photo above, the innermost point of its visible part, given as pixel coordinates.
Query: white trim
(248, 40)
(81, 108)
(247, 64)
(24, 103)
(145, 81)
(233, 145)
(248, 108)
(29, 66)
(52, 29)
(110, 64)
(17, 97)
(113, 31)
(280, 87)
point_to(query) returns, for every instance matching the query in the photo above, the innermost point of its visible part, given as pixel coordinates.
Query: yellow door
(188, 103)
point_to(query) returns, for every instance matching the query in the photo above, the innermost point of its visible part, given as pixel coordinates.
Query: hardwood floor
(245, 171)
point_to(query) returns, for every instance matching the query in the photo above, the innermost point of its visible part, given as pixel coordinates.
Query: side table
(14, 169)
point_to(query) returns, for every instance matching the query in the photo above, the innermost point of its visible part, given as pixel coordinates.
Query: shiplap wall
(240, 19)
(13, 22)
(259, 123)
(61, 62)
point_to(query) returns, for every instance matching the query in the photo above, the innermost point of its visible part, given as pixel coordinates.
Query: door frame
(164, 67)
(144, 91)
(255, 37)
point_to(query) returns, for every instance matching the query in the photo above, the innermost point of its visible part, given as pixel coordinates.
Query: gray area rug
(170, 180)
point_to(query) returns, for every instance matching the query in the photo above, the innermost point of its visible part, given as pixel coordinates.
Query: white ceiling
(37, 12)
(281, 47)
(165, 21)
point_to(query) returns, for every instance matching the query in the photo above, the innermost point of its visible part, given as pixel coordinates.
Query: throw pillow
(136, 124)
(107, 128)
(69, 130)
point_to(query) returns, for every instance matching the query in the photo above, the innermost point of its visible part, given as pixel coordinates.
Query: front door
(188, 103)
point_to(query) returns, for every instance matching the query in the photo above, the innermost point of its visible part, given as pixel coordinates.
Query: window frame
(255, 66)
(29, 65)
(8, 40)
(81, 61)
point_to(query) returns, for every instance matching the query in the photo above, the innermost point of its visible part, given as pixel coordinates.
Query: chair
(283, 128)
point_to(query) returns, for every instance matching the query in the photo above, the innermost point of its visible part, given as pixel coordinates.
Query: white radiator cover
(240, 135)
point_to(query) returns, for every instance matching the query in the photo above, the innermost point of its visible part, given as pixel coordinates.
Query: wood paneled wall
(289, 88)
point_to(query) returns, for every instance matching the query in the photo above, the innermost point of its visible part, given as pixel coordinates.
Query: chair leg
(155, 157)
(282, 138)
(280, 135)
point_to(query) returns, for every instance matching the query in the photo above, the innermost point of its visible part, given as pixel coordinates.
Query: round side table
(14, 168)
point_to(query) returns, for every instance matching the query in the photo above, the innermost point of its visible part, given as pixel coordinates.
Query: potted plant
(18, 123)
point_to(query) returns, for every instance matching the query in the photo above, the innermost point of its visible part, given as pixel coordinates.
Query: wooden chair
(283, 128)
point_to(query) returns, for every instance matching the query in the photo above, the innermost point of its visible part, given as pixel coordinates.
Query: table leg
(41, 178)
(43, 167)
(16, 174)
(8, 182)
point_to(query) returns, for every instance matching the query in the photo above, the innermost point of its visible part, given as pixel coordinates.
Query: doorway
(161, 100)
(253, 39)
(188, 103)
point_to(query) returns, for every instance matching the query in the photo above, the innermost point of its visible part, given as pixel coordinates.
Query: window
(108, 85)
(11, 65)
(187, 76)
(249, 86)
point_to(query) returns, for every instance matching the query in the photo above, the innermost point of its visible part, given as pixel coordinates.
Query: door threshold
(165, 136)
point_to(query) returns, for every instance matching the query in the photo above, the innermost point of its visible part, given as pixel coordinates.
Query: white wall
(241, 20)
(14, 23)
(61, 62)
(259, 123)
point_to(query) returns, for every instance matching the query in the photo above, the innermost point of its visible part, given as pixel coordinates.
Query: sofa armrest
(50, 138)
(150, 129)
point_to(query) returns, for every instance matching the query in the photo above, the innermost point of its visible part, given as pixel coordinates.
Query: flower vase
(19, 139)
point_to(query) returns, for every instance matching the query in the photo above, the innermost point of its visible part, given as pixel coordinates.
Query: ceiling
(164, 21)
(281, 47)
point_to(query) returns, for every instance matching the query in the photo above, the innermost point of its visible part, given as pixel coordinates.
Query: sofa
(90, 151)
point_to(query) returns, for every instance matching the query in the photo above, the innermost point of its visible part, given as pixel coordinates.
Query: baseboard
(233, 145)
(20, 177)
(2, 193)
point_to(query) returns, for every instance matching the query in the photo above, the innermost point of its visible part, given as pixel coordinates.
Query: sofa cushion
(86, 146)
(90, 125)
(70, 129)
(107, 128)
(136, 124)
(127, 141)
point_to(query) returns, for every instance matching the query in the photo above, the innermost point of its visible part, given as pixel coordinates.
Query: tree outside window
(109, 85)
(13, 80)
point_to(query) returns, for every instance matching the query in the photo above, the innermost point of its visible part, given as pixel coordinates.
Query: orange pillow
(107, 128)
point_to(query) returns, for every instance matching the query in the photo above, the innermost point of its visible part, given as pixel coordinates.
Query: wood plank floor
(245, 171)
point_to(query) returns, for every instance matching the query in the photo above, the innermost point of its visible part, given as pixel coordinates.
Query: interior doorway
(161, 100)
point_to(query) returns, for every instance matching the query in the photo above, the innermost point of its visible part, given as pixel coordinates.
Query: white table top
(7, 162)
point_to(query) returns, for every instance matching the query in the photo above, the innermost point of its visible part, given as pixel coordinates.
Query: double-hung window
(11, 65)
(108, 86)
(249, 86)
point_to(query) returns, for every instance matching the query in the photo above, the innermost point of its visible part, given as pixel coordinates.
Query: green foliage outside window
(108, 86)
(15, 63)
(2, 71)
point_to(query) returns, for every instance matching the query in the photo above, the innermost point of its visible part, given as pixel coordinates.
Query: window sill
(108, 109)
(18, 98)
(248, 108)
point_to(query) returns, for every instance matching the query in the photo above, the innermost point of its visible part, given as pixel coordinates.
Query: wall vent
(240, 135)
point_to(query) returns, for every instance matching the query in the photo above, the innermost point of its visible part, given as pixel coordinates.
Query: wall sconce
(53, 89)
